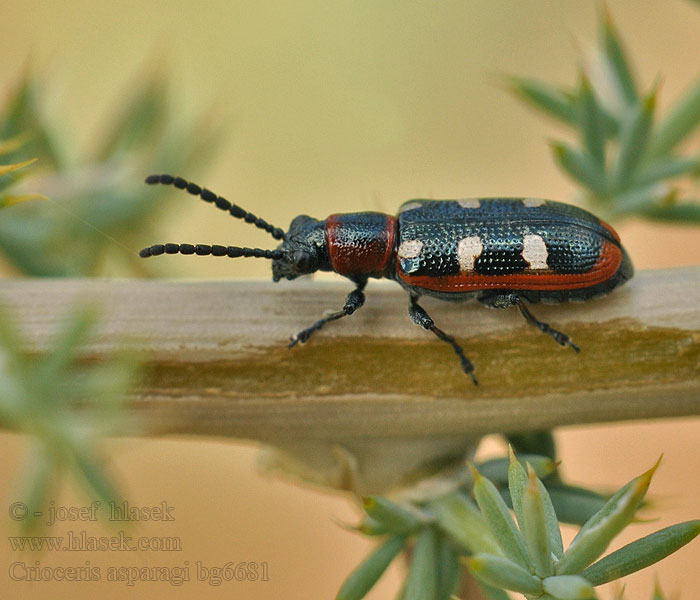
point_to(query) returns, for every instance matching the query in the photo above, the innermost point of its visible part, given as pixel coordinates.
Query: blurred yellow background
(332, 107)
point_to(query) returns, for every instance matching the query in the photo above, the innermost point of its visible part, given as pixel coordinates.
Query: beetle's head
(303, 250)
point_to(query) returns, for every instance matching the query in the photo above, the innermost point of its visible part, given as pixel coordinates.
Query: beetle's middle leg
(420, 317)
(353, 302)
(506, 300)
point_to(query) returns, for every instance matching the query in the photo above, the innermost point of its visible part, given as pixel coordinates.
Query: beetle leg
(560, 338)
(420, 317)
(353, 302)
(501, 300)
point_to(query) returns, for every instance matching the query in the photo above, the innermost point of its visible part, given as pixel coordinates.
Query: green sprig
(527, 557)
(624, 153)
(363, 578)
(9, 175)
(99, 209)
(65, 404)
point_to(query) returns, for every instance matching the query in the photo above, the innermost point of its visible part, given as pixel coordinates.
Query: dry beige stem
(372, 397)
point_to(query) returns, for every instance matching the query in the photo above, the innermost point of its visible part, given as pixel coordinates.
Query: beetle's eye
(302, 261)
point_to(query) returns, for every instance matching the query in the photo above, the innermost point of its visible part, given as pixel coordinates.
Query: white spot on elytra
(469, 203)
(409, 206)
(535, 251)
(533, 202)
(410, 248)
(468, 250)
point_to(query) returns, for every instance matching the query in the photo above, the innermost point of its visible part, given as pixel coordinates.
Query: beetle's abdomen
(360, 243)
(454, 246)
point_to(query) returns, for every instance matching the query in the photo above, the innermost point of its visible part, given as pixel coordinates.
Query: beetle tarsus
(421, 318)
(560, 338)
(303, 336)
(464, 362)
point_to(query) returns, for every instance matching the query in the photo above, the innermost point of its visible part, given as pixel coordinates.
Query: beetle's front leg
(505, 300)
(353, 302)
(420, 317)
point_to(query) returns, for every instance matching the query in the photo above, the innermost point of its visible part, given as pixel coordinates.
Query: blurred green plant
(627, 163)
(65, 404)
(9, 175)
(524, 555)
(99, 209)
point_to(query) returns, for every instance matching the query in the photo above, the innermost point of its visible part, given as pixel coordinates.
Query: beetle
(502, 252)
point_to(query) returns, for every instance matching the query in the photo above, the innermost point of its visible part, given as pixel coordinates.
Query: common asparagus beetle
(501, 251)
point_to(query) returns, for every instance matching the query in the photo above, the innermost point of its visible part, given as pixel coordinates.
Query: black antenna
(206, 249)
(208, 196)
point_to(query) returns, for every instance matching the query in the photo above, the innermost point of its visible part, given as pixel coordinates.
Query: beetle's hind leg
(505, 300)
(420, 317)
(353, 302)
(560, 338)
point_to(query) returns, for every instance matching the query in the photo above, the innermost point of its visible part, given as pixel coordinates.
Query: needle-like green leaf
(614, 55)
(681, 212)
(12, 199)
(13, 143)
(534, 528)
(363, 578)
(594, 537)
(421, 583)
(22, 115)
(395, 517)
(681, 121)
(38, 477)
(517, 482)
(636, 486)
(548, 99)
(551, 521)
(504, 573)
(580, 166)
(372, 527)
(638, 199)
(461, 520)
(5, 169)
(641, 553)
(449, 570)
(591, 122)
(633, 140)
(500, 521)
(666, 167)
(94, 475)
